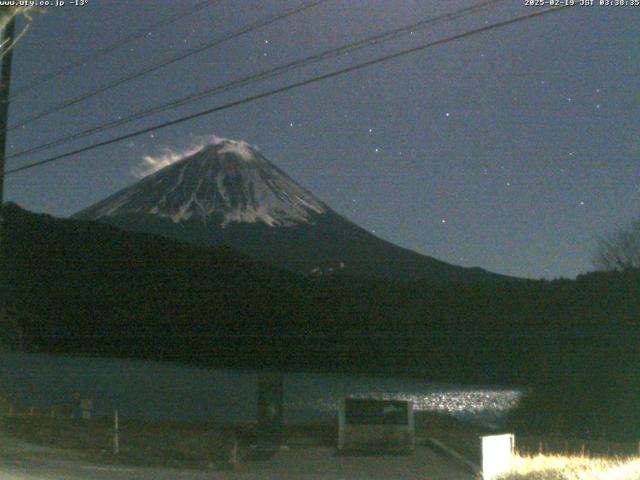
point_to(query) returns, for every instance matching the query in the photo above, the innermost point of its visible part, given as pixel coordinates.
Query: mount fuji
(228, 193)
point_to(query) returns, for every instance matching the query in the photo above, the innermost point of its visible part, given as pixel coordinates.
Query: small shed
(367, 425)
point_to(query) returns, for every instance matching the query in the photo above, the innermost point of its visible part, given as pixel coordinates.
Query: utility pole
(8, 34)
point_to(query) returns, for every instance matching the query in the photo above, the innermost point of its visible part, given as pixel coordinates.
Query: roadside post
(270, 413)
(116, 433)
(233, 454)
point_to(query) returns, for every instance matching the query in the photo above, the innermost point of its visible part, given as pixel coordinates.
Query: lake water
(145, 389)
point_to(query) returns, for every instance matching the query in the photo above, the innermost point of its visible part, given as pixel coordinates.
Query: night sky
(510, 150)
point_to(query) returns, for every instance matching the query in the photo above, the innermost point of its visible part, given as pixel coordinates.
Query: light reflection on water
(453, 402)
(145, 389)
(477, 403)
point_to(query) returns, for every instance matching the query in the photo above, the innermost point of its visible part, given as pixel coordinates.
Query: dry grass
(528, 445)
(558, 467)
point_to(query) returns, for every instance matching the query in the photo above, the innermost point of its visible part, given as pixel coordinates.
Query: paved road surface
(20, 461)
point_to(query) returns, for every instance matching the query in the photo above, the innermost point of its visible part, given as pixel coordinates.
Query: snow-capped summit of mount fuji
(226, 181)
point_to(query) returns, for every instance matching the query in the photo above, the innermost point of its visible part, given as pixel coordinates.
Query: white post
(411, 425)
(342, 424)
(116, 439)
(234, 452)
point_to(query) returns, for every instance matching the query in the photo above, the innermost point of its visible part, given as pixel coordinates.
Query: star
(447, 114)
(444, 220)
(377, 150)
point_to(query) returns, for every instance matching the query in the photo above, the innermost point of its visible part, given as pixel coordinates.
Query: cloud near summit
(152, 163)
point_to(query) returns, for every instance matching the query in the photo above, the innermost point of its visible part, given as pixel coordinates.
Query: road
(21, 461)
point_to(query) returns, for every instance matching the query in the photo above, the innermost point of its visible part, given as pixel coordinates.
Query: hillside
(87, 287)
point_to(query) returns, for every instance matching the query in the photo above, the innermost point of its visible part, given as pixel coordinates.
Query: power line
(170, 61)
(143, 32)
(265, 74)
(291, 87)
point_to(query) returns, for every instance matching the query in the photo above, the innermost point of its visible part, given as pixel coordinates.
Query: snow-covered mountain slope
(228, 193)
(227, 181)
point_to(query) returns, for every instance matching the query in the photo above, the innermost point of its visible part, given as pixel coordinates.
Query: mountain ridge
(229, 193)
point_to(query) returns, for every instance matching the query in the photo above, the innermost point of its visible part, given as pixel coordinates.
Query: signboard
(376, 412)
(497, 452)
(376, 425)
(270, 411)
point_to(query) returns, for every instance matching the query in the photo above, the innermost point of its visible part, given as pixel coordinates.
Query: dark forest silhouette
(87, 288)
